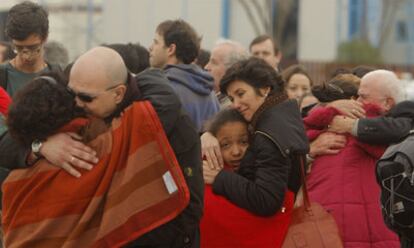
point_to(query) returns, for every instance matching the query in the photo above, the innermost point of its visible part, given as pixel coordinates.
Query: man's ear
(389, 103)
(278, 57)
(171, 50)
(45, 39)
(120, 93)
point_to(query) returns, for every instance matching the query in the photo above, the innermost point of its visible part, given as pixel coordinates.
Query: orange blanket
(136, 186)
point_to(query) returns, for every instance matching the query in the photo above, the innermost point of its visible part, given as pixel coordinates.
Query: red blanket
(227, 226)
(136, 186)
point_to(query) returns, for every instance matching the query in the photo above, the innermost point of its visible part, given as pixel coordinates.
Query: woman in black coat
(270, 167)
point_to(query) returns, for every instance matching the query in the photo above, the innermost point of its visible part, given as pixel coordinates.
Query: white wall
(317, 30)
(136, 21)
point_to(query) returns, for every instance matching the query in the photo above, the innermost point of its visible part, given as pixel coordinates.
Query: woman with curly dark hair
(269, 173)
(49, 107)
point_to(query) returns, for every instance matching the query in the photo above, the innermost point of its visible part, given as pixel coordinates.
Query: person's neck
(173, 61)
(38, 66)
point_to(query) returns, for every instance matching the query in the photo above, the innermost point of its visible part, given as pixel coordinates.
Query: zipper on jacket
(284, 153)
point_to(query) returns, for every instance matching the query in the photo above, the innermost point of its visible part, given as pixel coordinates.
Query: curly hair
(255, 72)
(343, 86)
(223, 117)
(25, 19)
(40, 108)
(184, 37)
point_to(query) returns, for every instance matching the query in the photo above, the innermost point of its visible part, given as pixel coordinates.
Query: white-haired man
(223, 55)
(383, 88)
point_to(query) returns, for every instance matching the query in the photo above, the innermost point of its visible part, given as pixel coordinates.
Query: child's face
(234, 140)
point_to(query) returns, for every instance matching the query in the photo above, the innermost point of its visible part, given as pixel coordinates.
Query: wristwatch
(36, 145)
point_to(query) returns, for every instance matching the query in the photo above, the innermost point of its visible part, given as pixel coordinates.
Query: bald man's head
(98, 78)
(104, 62)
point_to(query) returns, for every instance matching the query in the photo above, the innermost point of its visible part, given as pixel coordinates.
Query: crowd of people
(177, 146)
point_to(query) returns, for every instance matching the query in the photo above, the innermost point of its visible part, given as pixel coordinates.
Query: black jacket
(388, 129)
(267, 169)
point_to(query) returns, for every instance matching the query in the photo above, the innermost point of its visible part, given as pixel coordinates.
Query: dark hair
(184, 37)
(295, 69)
(203, 58)
(25, 19)
(340, 70)
(8, 54)
(262, 38)
(66, 71)
(361, 70)
(343, 86)
(40, 108)
(255, 72)
(223, 117)
(135, 56)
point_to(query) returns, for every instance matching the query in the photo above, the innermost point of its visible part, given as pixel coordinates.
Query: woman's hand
(327, 143)
(210, 149)
(209, 173)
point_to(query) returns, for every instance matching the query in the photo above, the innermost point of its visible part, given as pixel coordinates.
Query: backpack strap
(3, 77)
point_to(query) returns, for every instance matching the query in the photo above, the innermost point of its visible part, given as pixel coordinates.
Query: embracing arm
(384, 129)
(264, 194)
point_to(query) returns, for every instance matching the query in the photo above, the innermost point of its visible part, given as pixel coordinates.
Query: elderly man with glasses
(27, 26)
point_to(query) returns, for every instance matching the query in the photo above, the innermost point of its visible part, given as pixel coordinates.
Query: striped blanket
(136, 186)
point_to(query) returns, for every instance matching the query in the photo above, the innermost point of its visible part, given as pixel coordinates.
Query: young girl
(230, 129)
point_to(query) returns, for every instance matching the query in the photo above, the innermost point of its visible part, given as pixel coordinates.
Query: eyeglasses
(29, 50)
(85, 97)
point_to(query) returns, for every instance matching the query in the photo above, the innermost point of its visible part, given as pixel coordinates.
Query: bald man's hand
(64, 150)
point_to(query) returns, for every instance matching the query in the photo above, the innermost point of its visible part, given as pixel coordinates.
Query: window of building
(401, 31)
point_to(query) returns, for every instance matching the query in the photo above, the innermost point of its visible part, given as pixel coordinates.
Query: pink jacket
(345, 185)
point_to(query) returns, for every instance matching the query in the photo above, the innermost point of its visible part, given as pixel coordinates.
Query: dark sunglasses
(85, 97)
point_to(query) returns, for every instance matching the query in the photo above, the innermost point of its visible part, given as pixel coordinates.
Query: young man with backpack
(27, 26)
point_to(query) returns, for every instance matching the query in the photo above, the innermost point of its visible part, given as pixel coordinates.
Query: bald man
(103, 88)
